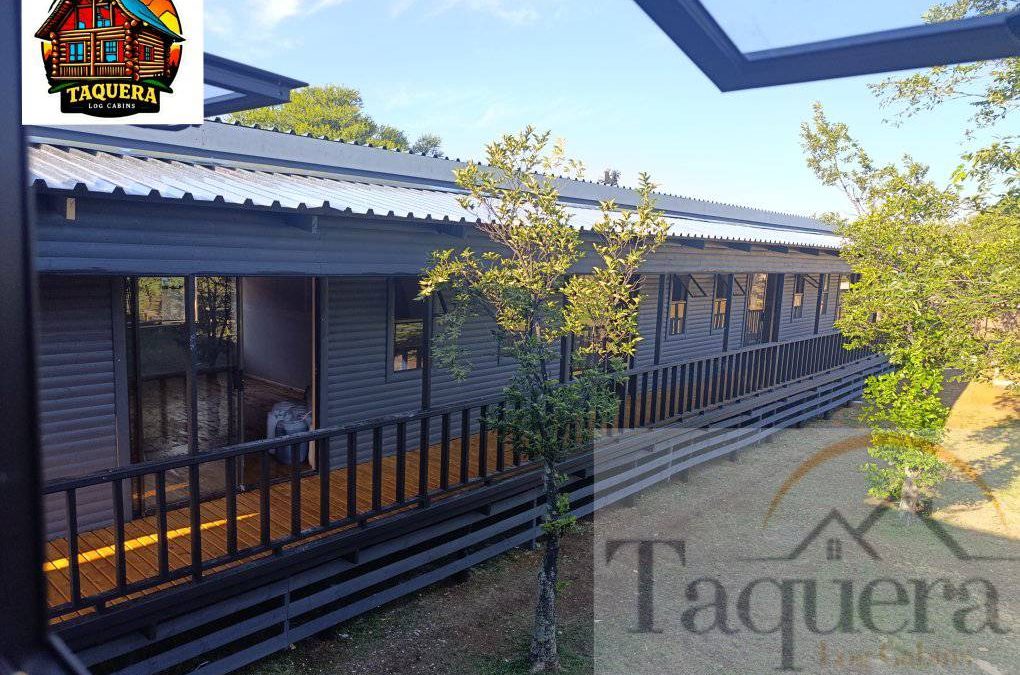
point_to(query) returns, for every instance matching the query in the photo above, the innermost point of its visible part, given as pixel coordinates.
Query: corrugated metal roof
(72, 169)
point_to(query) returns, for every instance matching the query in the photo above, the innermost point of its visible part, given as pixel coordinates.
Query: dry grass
(481, 624)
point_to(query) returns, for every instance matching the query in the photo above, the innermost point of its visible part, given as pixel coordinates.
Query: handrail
(459, 435)
(250, 447)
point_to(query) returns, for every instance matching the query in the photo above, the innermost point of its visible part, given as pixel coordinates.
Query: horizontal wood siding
(647, 320)
(489, 372)
(698, 339)
(77, 397)
(357, 386)
(791, 328)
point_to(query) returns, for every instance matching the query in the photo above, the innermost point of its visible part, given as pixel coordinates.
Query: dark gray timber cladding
(77, 390)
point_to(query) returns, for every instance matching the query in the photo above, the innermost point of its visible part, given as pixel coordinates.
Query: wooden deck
(97, 548)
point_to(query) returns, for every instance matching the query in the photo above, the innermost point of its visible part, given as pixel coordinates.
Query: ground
(480, 624)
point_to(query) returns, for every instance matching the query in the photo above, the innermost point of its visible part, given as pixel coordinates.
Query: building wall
(116, 238)
(82, 421)
(278, 318)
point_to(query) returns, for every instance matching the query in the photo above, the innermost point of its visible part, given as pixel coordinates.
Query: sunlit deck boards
(97, 548)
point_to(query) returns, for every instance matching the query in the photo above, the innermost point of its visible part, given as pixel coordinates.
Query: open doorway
(246, 344)
(278, 351)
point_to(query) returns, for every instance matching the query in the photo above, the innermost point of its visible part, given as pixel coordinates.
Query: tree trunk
(544, 654)
(910, 496)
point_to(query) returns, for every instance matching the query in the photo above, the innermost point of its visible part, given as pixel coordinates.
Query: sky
(598, 73)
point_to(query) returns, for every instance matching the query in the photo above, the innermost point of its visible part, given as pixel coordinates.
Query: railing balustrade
(391, 456)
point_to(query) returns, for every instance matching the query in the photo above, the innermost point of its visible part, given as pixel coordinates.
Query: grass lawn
(481, 623)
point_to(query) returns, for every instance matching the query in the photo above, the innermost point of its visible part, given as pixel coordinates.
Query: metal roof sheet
(73, 169)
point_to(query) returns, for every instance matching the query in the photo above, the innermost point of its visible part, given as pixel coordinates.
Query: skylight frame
(693, 28)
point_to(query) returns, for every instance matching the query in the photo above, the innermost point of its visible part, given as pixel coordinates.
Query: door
(163, 314)
(755, 316)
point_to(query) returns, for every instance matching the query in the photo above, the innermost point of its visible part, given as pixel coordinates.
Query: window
(843, 287)
(408, 317)
(103, 17)
(148, 53)
(80, 25)
(677, 323)
(823, 294)
(76, 52)
(110, 51)
(797, 308)
(720, 301)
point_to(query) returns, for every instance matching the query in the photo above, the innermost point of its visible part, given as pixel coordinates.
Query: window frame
(719, 281)
(107, 53)
(81, 51)
(797, 303)
(391, 333)
(824, 289)
(841, 279)
(672, 330)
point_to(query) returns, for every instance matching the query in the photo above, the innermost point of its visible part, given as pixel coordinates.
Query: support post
(426, 355)
(24, 643)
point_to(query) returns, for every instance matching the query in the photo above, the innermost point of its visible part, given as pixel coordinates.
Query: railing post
(377, 468)
(295, 489)
(483, 442)
(352, 474)
(424, 441)
(465, 444)
(71, 499)
(231, 498)
(322, 463)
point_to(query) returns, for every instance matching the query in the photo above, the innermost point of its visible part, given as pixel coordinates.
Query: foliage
(528, 286)
(337, 113)
(938, 290)
(904, 409)
(992, 88)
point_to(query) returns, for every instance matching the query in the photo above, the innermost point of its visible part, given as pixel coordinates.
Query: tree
(336, 113)
(527, 288)
(938, 291)
(428, 144)
(992, 88)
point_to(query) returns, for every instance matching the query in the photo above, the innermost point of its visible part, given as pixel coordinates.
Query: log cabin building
(244, 438)
(107, 39)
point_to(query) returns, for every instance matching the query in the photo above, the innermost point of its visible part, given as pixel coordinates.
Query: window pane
(215, 360)
(756, 292)
(408, 323)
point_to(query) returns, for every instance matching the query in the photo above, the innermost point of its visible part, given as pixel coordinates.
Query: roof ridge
(443, 157)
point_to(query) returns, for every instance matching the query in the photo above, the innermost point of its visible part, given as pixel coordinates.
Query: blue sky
(598, 73)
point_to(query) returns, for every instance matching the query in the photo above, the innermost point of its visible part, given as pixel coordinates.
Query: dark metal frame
(24, 642)
(249, 87)
(698, 34)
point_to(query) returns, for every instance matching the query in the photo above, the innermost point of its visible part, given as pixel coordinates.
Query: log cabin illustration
(110, 39)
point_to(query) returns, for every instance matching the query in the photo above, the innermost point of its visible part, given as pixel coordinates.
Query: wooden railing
(648, 396)
(73, 70)
(754, 327)
(109, 70)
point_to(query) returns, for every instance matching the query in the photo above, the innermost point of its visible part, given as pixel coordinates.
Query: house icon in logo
(839, 534)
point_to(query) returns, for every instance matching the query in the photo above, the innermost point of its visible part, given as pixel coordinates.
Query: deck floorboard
(97, 547)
